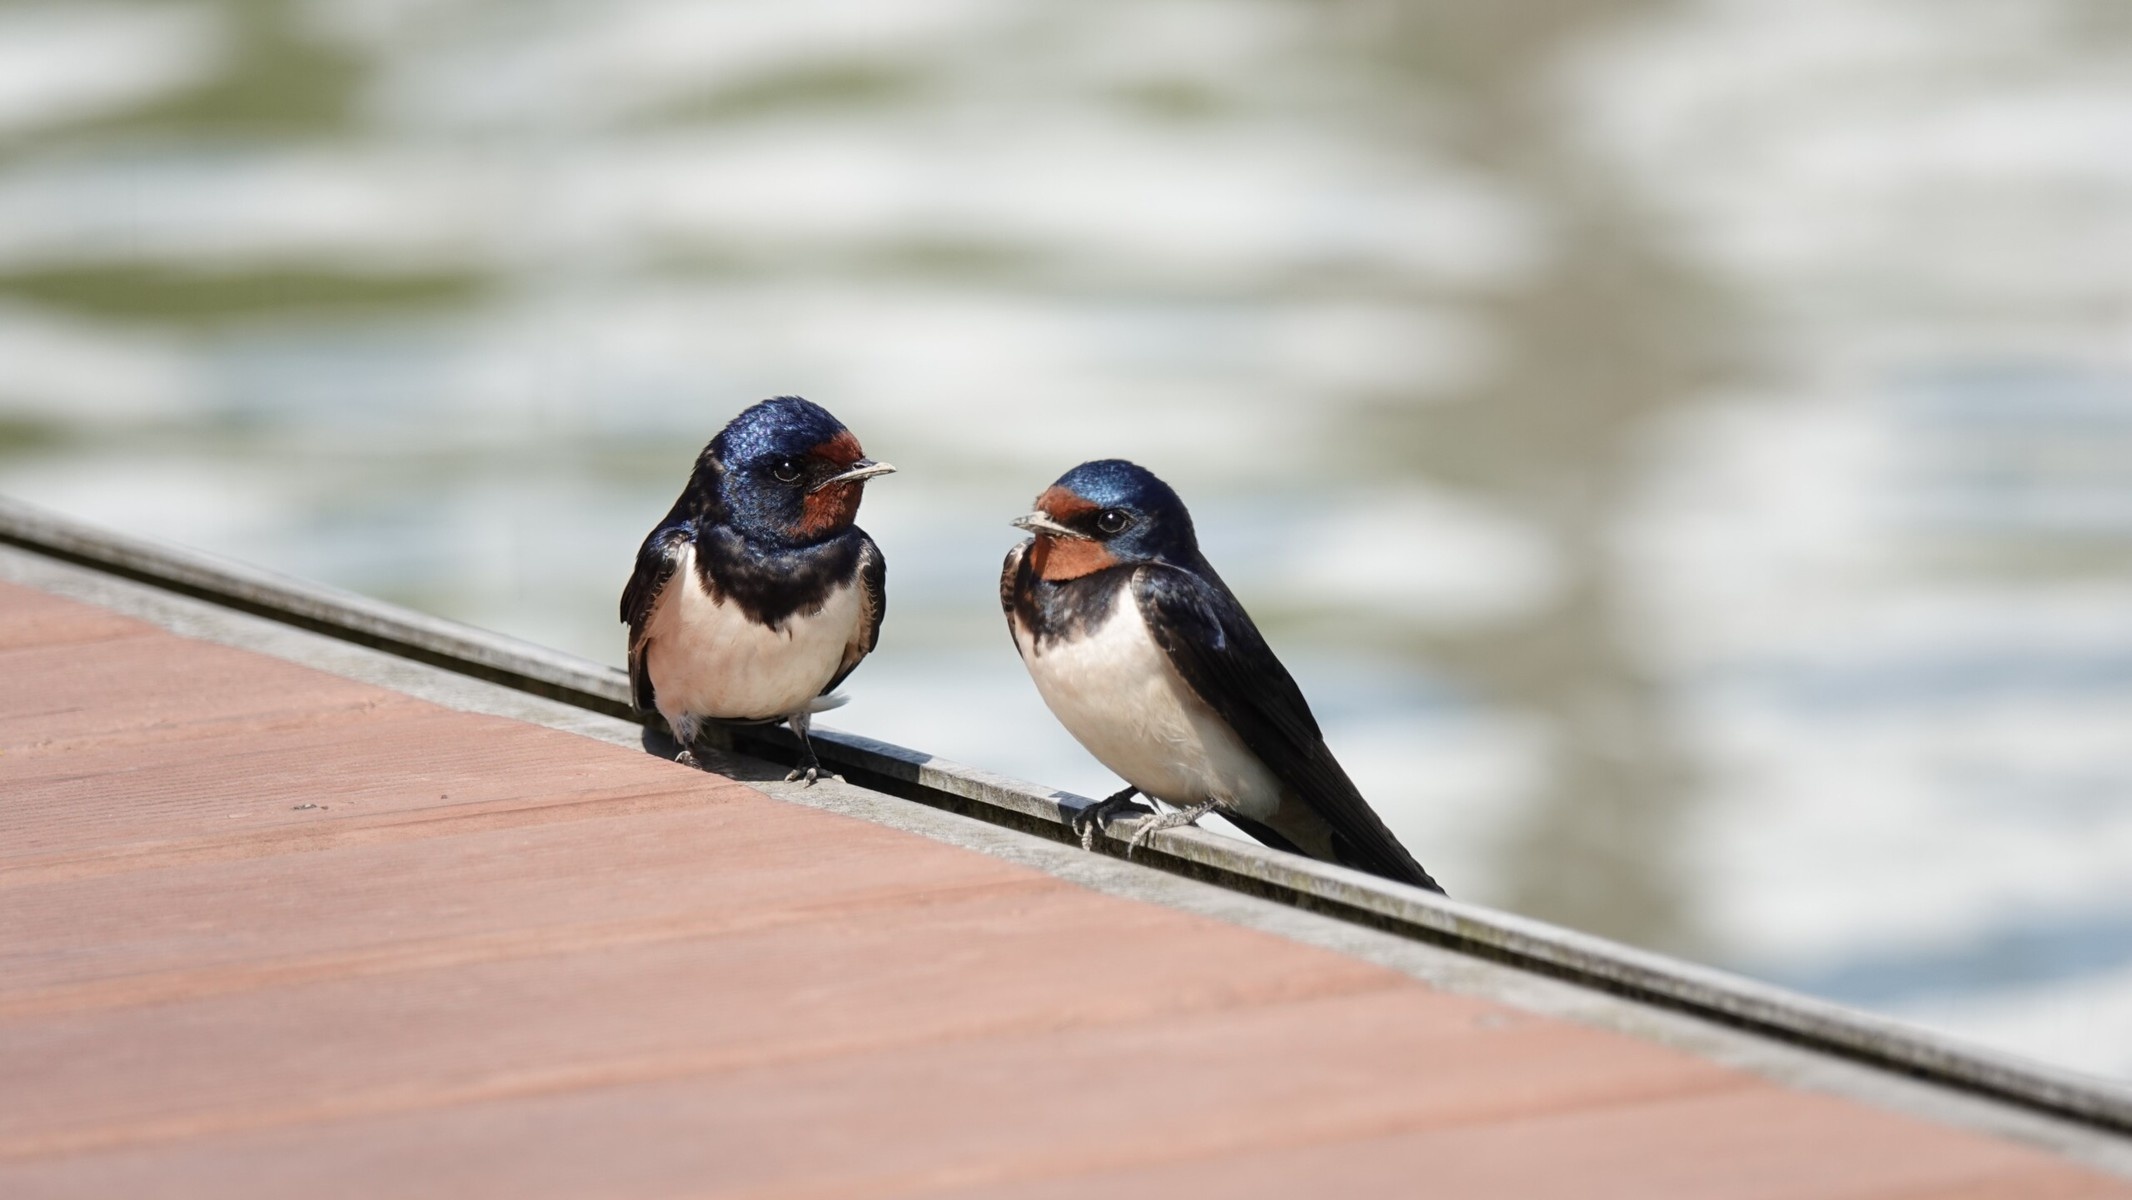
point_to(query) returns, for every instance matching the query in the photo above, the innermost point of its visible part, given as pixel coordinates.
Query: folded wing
(1221, 655)
(873, 605)
(657, 560)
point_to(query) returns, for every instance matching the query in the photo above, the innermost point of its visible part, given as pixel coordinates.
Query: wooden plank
(30, 619)
(498, 959)
(1748, 1144)
(369, 775)
(992, 1105)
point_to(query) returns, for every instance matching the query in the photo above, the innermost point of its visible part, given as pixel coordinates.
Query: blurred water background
(1684, 449)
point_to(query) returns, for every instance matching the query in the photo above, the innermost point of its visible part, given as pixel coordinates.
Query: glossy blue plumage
(756, 594)
(1143, 652)
(741, 460)
(1165, 531)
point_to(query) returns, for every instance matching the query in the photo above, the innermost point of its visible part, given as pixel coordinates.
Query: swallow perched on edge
(1142, 653)
(756, 595)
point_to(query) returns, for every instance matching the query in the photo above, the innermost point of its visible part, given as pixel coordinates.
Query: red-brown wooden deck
(270, 932)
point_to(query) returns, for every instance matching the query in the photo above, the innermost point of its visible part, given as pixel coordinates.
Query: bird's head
(1106, 513)
(788, 473)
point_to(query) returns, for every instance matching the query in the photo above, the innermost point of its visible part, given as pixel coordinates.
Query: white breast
(707, 659)
(1116, 692)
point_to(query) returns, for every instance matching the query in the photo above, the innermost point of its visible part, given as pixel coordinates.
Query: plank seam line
(117, 635)
(364, 829)
(178, 985)
(649, 1069)
(1128, 1157)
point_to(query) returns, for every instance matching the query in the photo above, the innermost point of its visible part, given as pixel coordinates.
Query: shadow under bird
(1141, 651)
(756, 595)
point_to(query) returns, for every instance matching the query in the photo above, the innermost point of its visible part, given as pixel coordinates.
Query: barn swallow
(756, 596)
(1145, 656)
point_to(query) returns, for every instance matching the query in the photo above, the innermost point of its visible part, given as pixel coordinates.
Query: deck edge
(1582, 959)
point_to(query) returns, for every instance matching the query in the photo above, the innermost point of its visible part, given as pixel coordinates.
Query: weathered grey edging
(1591, 961)
(347, 615)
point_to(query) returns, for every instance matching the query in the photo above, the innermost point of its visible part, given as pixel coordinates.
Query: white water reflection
(81, 374)
(1895, 583)
(62, 62)
(1701, 511)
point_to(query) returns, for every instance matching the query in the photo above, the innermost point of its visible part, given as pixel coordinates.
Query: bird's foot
(809, 769)
(1169, 820)
(687, 759)
(1096, 817)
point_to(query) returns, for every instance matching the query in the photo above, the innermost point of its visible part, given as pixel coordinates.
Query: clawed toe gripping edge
(1096, 817)
(1169, 820)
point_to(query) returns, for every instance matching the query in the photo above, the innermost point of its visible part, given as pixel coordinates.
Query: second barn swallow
(1141, 651)
(756, 596)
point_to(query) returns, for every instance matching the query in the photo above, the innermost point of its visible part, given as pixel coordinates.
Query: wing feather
(657, 559)
(1223, 658)
(1011, 583)
(873, 606)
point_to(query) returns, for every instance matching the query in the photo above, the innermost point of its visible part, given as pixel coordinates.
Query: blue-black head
(786, 472)
(1108, 512)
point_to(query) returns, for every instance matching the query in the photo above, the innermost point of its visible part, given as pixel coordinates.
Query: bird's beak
(865, 468)
(1039, 522)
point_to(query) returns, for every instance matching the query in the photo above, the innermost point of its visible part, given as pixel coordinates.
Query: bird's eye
(786, 471)
(1111, 520)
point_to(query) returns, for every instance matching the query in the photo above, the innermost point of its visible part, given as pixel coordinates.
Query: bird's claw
(1170, 820)
(687, 759)
(1096, 817)
(806, 774)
